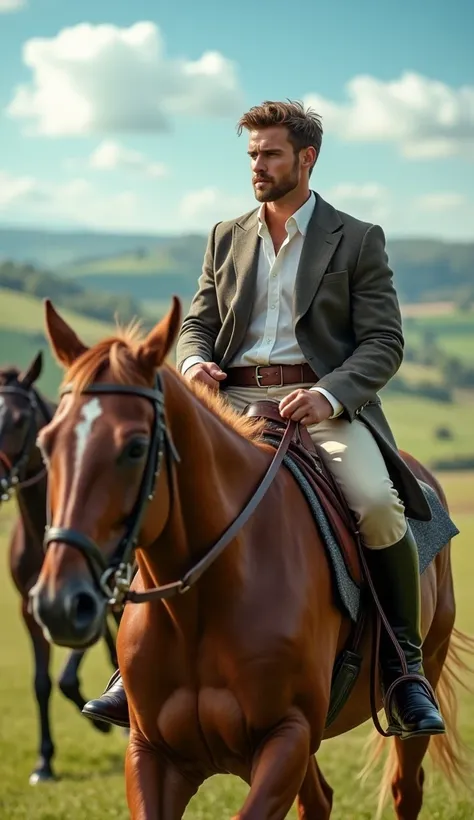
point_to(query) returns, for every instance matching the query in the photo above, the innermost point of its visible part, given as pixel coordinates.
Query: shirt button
(272, 307)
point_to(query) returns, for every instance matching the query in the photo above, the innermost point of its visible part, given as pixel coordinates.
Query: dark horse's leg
(69, 681)
(42, 683)
(70, 686)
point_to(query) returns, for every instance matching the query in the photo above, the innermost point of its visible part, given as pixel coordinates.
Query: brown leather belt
(274, 375)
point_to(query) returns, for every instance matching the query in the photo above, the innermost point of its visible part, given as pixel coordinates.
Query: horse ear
(155, 348)
(33, 371)
(66, 346)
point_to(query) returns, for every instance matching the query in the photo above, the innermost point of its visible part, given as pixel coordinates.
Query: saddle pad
(430, 536)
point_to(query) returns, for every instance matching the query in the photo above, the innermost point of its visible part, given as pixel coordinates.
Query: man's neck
(277, 212)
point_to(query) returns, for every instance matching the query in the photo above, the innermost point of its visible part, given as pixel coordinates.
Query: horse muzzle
(72, 616)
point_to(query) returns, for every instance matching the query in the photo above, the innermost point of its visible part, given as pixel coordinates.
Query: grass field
(454, 332)
(89, 765)
(21, 312)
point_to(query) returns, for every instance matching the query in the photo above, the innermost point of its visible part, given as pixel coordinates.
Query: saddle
(305, 454)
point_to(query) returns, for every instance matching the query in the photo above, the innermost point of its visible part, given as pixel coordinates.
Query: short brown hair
(304, 126)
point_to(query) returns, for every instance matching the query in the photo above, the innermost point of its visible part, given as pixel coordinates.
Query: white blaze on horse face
(89, 412)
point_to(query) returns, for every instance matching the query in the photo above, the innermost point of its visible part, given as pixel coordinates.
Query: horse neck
(31, 502)
(32, 497)
(218, 470)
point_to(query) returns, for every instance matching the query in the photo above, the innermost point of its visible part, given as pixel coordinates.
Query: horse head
(22, 413)
(104, 450)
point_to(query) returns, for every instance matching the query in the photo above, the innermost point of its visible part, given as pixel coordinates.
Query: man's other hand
(207, 373)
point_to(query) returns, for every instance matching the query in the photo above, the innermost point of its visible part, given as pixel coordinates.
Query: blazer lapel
(322, 238)
(245, 251)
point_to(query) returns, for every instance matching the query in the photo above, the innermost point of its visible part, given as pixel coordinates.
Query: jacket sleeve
(202, 323)
(377, 327)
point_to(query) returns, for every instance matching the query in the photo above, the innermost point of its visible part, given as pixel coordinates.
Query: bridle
(14, 479)
(113, 578)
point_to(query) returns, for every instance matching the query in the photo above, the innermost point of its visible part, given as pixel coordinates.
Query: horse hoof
(105, 728)
(41, 776)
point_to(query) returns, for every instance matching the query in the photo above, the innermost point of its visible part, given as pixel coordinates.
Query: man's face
(276, 169)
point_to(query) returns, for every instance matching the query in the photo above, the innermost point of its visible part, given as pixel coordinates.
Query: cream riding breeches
(352, 455)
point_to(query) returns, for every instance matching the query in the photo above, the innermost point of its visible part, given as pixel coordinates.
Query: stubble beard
(275, 192)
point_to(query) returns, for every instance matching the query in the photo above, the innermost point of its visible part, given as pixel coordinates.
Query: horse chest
(209, 721)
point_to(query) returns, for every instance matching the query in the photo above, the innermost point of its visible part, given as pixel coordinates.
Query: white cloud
(424, 118)
(16, 189)
(11, 5)
(75, 201)
(106, 79)
(111, 156)
(368, 201)
(204, 207)
(441, 202)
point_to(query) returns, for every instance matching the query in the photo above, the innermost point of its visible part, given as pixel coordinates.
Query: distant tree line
(68, 294)
(454, 373)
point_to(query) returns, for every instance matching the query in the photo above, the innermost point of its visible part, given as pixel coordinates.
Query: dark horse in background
(23, 412)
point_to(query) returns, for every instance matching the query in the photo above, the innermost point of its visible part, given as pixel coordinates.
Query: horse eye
(135, 450)
(19, 420)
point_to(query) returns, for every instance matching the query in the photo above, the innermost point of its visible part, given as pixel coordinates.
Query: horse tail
(448, 752)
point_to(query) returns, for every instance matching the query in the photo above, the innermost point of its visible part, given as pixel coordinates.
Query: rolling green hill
(22, 312)
(22, 334)
(154, 267)
(423, 270)
(416, 416)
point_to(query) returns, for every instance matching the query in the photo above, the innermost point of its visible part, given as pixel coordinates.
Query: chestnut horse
(23, 412)
(228, 670)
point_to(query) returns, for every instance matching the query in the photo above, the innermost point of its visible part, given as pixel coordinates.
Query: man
(296, 303)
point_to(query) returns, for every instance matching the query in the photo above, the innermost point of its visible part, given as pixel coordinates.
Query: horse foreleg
(42, 685)
(156, 790)
(69, 685)
(315, 795)
(278, 771)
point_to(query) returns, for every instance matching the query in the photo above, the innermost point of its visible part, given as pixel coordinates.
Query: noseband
(15, 472)
(113, 579)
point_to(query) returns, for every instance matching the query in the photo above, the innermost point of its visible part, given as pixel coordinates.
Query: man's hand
(305, 406)
(207, 373)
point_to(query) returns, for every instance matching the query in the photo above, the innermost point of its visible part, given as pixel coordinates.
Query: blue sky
(113, 117)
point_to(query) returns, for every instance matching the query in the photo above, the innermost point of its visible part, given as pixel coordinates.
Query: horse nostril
(83, 609)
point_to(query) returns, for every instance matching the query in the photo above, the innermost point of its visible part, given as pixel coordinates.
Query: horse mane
(119, 353)
(246, 426)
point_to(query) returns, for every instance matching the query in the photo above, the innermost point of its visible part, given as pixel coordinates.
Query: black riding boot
(112, 706)
(410, 704)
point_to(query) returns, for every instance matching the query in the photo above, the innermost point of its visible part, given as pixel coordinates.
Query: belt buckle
(258, 376)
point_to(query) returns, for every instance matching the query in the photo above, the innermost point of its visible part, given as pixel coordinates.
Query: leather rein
(113, 578)
(13, 479)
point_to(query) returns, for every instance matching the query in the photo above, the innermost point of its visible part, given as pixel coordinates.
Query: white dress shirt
(270, 336)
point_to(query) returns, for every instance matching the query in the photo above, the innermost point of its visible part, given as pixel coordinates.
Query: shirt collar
(301, 217)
